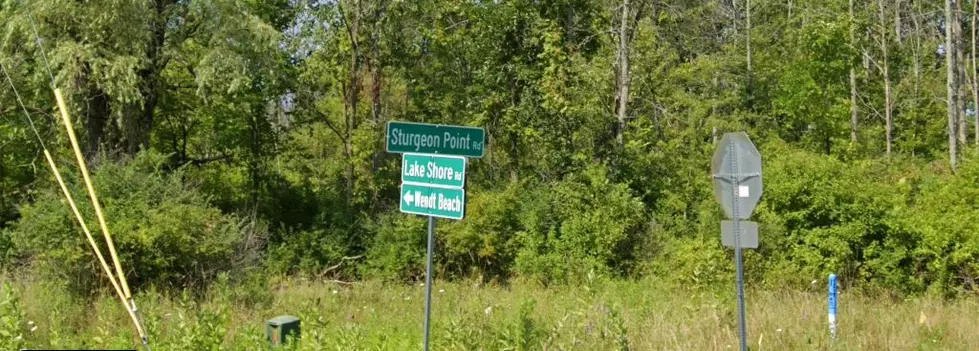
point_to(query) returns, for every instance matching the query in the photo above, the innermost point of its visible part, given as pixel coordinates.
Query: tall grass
(371, 315)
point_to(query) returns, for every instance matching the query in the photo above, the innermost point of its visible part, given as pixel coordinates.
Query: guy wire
(40, 46)
(21, 102)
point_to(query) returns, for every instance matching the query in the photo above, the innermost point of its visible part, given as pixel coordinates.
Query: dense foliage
(170, 233)
(237, 134)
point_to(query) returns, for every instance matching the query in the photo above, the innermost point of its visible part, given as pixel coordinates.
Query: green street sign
(449, 171)
(433, 201)
(440, 139)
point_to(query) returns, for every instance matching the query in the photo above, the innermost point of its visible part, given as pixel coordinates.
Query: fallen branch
(335, 267)
(203, 161)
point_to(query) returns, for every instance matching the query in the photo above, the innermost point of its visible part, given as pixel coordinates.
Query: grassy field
(603, 315)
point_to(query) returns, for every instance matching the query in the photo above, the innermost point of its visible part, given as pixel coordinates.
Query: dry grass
(607, 315)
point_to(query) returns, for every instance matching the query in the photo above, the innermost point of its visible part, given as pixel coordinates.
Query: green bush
(398, 249)
(893, 224)
(942, 218)
(6, 249)
(698, 262)
(548, 231)
(583, 224)
(165, 231)
(896, 224)
(309, 251)
(823, 215)
(484, 243)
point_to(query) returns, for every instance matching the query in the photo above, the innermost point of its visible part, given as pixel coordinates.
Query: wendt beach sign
(433, 201)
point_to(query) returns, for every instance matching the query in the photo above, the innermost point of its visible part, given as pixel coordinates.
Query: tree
(974, 83)
(960, 72)
(854, 108)
(951, 82)
(885, 68)
(747, 41)
(623, 73)
(119, 66)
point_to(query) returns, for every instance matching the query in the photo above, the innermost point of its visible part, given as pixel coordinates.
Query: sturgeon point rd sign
(423, 138)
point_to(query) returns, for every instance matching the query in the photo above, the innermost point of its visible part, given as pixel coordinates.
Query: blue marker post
(832, 306)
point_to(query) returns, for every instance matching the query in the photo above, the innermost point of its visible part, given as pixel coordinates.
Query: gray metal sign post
(428, 277)
(736, 169)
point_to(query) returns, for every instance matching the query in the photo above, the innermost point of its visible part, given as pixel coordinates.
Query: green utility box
(282, 329)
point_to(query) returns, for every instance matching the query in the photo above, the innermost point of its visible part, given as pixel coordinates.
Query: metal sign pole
(736, 168)
(736, 180)
(428, 277)
(740, 273)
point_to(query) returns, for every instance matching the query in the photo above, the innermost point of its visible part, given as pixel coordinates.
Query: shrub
(165, 231)
(895, 224)
(942, 219)
(582, 224)
(825, 216)
(398, 249)
(484, 244)
(310, 251)
(699, 261)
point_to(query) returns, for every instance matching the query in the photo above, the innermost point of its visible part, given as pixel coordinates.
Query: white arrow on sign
(409, 198)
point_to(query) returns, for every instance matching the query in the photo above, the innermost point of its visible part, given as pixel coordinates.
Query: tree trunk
(854, 112)
(254, 160)
(960, 73)
(747, 36)
(975, 88)
(951, 104)
(888, 99)
(897, 23)
(623, 88)
(96, 122)
(352, 95)
(139, 127)
(916, 46)
(376, 72)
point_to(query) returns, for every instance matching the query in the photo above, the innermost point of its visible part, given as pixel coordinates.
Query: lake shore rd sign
(433, 201)
(423, 138)
(447, 171)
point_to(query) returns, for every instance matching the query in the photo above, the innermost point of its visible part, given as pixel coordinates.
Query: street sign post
(433, 175)
(433, 201)
(445, 171)
(423, 138)
(736, 168)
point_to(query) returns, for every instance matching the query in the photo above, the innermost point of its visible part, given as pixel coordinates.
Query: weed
(11, 319)
(372, 315)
